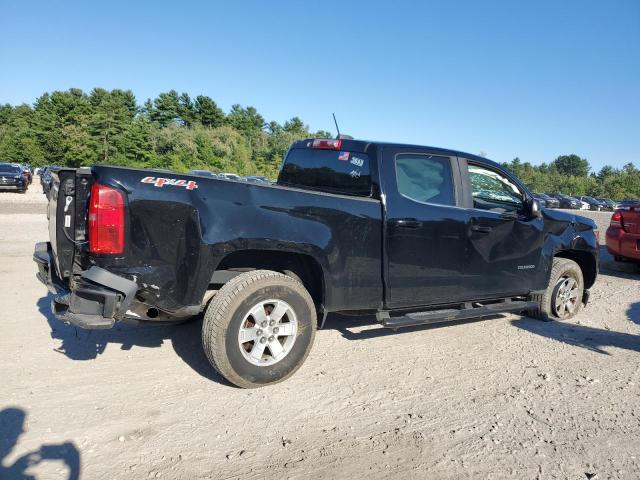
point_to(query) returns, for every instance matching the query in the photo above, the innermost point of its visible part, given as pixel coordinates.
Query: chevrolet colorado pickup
(410, 234)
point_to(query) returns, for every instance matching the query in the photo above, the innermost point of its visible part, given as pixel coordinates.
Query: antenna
(336, 122)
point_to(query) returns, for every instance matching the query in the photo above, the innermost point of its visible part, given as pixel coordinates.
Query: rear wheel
(259, 328)
(562, 299)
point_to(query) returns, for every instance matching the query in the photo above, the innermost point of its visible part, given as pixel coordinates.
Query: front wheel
(562, 299)
(259, 328)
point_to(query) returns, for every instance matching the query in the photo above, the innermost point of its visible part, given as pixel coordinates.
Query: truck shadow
(12, 427)
(594, 339)
(354, 327)
(79, 344)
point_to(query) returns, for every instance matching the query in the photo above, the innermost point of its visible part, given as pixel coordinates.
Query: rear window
(327, 170)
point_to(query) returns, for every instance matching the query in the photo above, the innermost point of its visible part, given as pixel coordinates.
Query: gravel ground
(507, 397)
(33, 201)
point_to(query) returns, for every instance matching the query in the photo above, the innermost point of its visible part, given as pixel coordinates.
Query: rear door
(425, 238)
(504, 241)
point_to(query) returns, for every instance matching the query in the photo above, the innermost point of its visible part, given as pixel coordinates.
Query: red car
(623, 234)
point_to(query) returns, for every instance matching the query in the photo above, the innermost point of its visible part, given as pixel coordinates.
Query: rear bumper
(623, 244)
(95, 299)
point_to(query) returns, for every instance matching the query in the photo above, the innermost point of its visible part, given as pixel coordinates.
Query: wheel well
(585, 261)
(304, 268)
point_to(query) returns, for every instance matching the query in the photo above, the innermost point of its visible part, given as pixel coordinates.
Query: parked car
(257, 179)
(46, 178)
(415, 235)
(229, 176)
(623, 234)
(26, 172)
(609, 204)
(550, 202)
(566, 201)
(43, 172)
(12, 178)
(593, 204)
(203, 173)
(628, 202)
(541, 201)
(583, 205)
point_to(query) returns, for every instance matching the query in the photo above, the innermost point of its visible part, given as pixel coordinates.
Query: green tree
(18, 141)
(207, 112)
(111, 115)
(571, 165)
(246, 120)
(186, 110)
(166, 108)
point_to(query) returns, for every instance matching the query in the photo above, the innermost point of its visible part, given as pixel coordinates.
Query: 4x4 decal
(174, 182)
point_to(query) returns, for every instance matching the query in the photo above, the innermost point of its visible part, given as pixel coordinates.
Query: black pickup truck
(412, 234)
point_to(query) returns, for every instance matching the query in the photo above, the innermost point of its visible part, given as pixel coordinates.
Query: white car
(229, 176)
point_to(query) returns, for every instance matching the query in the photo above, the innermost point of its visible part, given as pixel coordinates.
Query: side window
(425, 178)
(493, 191)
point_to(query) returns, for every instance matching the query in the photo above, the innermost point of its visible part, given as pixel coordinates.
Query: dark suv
(12, 178)
(549, 201)
(566, 201)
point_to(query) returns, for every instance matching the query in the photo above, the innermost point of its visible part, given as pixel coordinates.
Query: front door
(425, 227)
(505, 241)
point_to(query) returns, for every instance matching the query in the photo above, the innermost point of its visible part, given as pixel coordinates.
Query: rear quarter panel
(176, 237)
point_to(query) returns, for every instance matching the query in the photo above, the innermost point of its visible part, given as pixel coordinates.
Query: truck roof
(364, 145)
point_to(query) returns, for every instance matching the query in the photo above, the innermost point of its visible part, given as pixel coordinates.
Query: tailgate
(67, 216)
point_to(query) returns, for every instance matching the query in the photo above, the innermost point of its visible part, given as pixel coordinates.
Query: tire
(562, 300)
(237, 306)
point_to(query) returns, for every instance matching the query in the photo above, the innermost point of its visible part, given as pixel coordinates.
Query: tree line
(570, 174)
(177, 132)
(173, 131)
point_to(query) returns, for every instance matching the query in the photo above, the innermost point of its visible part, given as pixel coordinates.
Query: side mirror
(536, 210)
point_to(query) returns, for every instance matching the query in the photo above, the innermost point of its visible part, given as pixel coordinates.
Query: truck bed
(177, 237)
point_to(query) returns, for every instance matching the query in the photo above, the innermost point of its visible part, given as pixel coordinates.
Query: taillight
(106, 220)
(327, 143)
(616, 219)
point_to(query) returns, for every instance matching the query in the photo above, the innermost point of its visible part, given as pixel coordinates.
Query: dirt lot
(508, 397)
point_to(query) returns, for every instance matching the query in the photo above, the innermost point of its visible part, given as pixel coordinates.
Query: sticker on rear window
(174, 182)
(344, 156)
(358, 162)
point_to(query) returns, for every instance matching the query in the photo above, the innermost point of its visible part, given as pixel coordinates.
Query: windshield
(5, 168)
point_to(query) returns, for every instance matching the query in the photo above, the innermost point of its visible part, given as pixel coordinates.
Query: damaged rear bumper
(95, 299)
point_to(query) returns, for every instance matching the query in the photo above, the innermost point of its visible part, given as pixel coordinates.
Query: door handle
(480, 229)
(407, 223)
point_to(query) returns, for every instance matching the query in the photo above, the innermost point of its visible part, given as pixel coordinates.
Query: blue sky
(531, 79)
